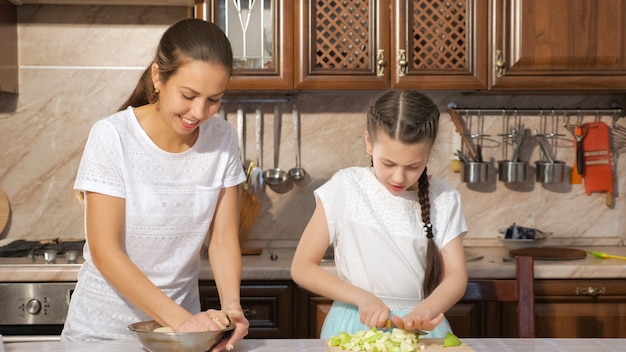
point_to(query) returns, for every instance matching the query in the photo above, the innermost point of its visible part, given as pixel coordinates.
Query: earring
(156, 90)
(371, 160)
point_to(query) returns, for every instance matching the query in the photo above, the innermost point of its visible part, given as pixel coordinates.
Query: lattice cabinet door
(342, 44)
(261, 36)
(440, 44)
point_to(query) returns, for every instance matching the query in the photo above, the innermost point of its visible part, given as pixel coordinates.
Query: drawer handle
(249, 313)
(380, 63)
(590, 291)
(402, 63)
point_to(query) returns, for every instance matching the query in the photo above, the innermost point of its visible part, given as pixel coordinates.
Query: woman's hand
(234, 316)
(372, 311)
(204, 321)
(417, 319)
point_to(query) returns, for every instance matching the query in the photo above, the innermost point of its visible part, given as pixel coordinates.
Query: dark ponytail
(144, 93)
(434, 262)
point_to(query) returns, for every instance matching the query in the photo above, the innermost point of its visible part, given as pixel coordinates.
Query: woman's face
(397, 166)
(192, 95)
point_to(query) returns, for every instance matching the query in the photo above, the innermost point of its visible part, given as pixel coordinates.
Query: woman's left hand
(417, 320)
(236, 317)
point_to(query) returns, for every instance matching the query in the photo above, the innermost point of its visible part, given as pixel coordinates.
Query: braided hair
(411, 117)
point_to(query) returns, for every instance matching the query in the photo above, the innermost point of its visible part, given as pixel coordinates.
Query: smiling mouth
(188, 123)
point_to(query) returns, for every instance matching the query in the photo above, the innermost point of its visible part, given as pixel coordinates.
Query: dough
(163, 329)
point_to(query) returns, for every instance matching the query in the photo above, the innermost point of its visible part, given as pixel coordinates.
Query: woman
(157, 177)
(397, 232)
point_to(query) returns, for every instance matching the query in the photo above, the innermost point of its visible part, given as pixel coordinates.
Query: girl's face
(192, 95)
(397, 166)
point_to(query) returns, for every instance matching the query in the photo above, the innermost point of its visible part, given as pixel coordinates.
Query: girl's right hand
(372, 311)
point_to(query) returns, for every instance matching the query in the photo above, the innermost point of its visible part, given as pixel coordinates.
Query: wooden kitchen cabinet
(468, 319)
(369, 44)
(276, 39)
(439, 44)
(558, 45)
(266, 304)
(310, 310)
(576, 308)
(379, 44)
(563, 309)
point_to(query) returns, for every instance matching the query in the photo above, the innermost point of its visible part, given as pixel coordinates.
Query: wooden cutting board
(434, 345)
(5, 210)
(550, 253)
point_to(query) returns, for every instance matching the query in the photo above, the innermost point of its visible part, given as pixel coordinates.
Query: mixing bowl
(177, 341)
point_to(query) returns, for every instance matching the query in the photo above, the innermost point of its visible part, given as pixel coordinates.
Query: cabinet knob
(500, 63)
(380, 62)
(590, 291)
(402, 63)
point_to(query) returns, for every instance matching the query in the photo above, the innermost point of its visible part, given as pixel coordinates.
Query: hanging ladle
(276, 176)
(296, 173)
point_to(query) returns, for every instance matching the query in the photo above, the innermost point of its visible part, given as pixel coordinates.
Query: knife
(605, 256)
(390, 325)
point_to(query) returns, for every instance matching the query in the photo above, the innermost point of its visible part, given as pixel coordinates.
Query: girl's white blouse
(379, 238)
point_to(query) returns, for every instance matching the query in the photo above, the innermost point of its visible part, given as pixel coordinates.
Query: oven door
(34, 309)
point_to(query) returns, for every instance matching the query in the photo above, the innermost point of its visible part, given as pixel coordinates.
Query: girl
(156, 178)
(397, 233)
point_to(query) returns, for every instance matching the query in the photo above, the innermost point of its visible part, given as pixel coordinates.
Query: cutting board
(4, 210)
(550, 253)
(434, 345)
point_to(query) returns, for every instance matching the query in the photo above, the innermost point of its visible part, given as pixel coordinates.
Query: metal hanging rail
(613, 111)
(256, 100)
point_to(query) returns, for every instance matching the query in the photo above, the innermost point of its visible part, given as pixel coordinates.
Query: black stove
(37, 308)
(48, 249)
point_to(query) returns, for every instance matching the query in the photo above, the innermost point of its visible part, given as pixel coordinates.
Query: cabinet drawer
(266, 306)
(581, 289)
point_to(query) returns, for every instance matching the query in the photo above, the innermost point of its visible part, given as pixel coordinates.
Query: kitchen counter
(493, 264)
(312, 345)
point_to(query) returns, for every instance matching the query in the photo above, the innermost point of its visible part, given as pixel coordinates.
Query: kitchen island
(313, 345)
(573, 298)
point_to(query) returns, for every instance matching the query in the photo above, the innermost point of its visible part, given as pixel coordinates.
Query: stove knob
(33, 306)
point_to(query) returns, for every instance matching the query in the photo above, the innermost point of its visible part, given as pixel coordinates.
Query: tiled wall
(78, 63)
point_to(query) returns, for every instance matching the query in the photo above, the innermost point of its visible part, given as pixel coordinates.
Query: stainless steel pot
(550, 171)
(512, 171)
(474, 172)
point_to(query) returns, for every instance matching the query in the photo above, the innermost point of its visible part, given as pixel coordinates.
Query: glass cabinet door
(261, 36)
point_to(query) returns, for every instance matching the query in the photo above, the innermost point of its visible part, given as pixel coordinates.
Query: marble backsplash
(78, 63)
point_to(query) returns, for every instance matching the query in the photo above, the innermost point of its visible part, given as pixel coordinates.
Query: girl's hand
(417, 320)
(236, 317)
(372, 311)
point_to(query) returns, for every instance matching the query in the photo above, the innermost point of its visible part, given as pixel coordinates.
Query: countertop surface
(484, 263)
(313, 345)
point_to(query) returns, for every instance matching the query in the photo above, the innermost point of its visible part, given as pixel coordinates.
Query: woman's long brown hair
(411, 117)
(186, 40)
